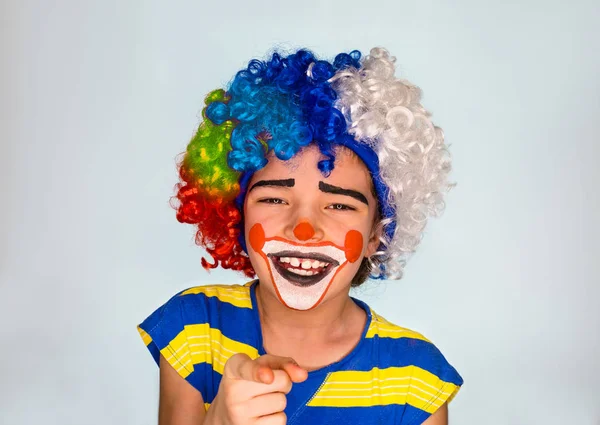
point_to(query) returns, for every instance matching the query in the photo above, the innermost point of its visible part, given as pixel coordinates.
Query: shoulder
(197, 300)
(382, 328)
(235, 295)
(410, 348)
(194, 311)
(407, 355)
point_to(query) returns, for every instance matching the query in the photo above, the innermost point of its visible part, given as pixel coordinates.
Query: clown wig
(286, 103)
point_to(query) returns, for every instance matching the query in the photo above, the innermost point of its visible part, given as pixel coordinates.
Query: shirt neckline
(325, 369)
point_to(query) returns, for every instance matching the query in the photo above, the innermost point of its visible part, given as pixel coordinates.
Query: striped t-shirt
(393, 375)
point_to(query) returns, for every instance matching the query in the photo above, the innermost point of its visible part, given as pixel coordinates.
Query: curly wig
(286, 103)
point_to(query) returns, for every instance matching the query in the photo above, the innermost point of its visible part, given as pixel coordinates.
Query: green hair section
(205, 161)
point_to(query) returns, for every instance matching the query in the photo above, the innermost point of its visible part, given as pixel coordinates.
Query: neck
(330, 320)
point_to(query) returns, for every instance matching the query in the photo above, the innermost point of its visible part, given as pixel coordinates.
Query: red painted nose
(304, 231)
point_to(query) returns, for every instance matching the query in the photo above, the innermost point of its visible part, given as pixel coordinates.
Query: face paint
(302, 273)
(353, 245)
(257, 237)
(304, 231)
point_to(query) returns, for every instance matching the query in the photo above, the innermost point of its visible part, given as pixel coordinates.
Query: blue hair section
(244, 181)
(281, 105)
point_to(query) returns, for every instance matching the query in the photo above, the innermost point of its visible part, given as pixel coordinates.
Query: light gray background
(98, 98)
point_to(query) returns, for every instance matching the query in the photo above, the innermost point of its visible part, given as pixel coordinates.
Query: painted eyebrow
(282, 183)
(328, 188)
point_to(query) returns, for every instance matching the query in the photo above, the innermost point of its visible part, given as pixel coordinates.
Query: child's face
(307, 234)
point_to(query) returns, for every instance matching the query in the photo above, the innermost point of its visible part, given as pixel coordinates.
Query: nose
(305, 223)
(304, 231)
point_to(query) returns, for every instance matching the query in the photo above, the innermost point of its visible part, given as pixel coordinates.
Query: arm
(244, 394)
(180, 403)
(440, 417)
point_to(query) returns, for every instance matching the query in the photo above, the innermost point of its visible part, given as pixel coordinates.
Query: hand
(252, 392)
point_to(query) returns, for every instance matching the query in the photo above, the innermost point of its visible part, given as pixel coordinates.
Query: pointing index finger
(287, 364)
(241, 366)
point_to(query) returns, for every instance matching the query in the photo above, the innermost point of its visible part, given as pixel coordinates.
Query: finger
(239, 366)
(281, 382)
(274, 419)
(267, 404)
(263, 374)
(296, 373)
(248, 389)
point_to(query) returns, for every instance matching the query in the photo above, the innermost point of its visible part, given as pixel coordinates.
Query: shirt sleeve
(432, 386)
(164, 332)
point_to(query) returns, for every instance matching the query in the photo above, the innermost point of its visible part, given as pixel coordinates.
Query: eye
(341, 207)
(276, 201)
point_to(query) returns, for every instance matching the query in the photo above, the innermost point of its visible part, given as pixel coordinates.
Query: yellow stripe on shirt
(145, 337)
(379, 387)
(384, 329)
(236, 295)
(200, 343)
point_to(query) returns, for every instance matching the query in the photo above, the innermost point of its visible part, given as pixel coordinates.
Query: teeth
(303, 263)
(302, 272)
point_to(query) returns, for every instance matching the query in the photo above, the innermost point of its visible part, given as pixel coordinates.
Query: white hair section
(309, 70)
(385, 112)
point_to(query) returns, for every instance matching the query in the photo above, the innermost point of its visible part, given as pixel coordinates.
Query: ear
(374, 241)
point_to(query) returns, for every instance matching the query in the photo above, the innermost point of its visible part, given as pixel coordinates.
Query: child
(311, 176)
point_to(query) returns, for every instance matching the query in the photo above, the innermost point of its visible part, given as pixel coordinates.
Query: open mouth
(302, 274)
(302, 268)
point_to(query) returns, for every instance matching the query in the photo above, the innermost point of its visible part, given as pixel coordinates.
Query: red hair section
(217, 221)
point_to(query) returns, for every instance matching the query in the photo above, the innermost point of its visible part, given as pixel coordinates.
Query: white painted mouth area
(302, 297)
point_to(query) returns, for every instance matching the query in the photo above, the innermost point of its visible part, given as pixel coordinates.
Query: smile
(303, 273)
(302, 268)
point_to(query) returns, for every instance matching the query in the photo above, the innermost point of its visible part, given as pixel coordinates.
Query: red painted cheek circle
(353, 245)
(257, 237)
(304, 231)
